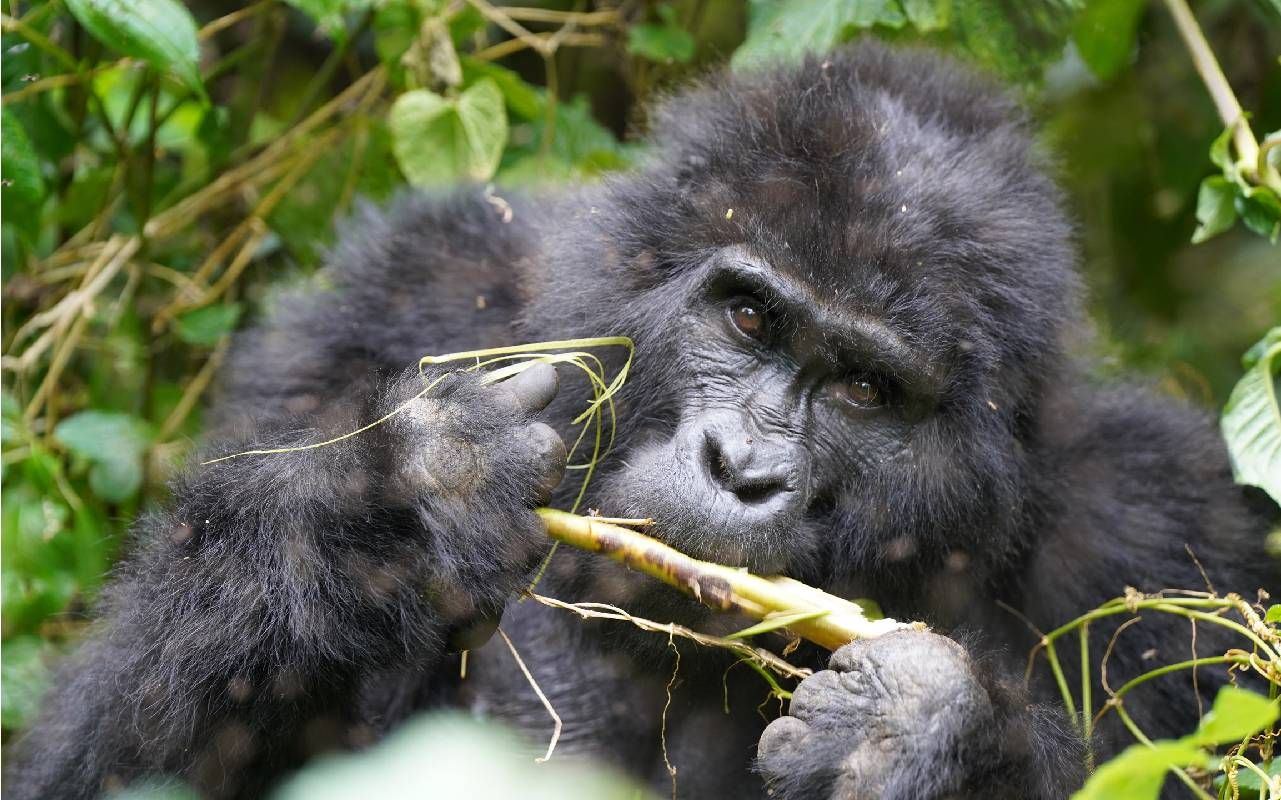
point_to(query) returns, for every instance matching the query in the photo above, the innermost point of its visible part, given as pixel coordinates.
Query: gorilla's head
(848, 282)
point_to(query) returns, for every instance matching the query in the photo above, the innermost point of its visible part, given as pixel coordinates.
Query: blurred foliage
(168, 168)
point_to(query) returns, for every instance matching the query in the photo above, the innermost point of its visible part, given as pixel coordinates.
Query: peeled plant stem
(824, 619)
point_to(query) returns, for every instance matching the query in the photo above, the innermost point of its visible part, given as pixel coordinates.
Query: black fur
(290, 604)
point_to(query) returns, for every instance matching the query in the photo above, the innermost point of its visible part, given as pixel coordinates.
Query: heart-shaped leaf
(439, 140)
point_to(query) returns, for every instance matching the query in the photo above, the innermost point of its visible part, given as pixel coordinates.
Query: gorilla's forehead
(895, 184)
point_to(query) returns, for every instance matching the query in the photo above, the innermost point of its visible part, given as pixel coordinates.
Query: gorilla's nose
(757, 473)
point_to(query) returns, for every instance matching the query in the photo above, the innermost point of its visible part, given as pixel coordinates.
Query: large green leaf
(1251, 420)
(785, 30)
(1104, 34)
(23, 186)
(160, 32)
(438, 140)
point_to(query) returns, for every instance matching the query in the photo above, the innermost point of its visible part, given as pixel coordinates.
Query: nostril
(742, 480)
(714, 458)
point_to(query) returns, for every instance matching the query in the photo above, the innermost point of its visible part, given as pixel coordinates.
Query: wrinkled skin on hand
(880, 717)
(465, 446)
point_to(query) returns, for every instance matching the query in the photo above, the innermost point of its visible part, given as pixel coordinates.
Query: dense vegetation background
(169, 168)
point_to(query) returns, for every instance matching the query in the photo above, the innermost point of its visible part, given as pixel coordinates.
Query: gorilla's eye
(860, 391)
(749, 318)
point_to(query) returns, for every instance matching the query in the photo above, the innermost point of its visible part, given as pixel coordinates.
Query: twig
(755, 655)
(720, 587)
(610, 16)
(221, 23)
(667, 705)
(551, 746)
(509, 46)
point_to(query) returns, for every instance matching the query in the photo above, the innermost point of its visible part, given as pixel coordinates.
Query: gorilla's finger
(532, 389)
(781, 738)
(549, 457)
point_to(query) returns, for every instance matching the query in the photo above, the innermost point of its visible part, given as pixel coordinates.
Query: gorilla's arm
(231, 642)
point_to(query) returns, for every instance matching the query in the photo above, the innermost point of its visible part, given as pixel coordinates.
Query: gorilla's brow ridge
(831, 332)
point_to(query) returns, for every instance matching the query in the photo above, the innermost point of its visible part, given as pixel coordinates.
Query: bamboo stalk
(720, 587)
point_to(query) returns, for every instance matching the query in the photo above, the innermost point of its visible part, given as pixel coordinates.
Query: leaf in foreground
(1251, 420)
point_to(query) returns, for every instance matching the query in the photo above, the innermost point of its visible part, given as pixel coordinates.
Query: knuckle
(783, 735)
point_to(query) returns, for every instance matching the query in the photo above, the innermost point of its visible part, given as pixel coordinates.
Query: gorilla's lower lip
(723, 549)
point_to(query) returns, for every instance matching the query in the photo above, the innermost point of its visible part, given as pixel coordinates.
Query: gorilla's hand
(889, 717)
(470, 462)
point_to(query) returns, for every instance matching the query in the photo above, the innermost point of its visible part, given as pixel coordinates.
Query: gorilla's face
(781, 402)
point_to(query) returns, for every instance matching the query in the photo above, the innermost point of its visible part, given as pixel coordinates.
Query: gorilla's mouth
(751, 528)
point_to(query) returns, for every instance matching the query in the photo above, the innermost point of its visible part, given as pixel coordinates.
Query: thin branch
(1212, 76)
(547, 704)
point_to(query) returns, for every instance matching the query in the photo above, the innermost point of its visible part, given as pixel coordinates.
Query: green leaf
(1138, 772)
(776, 621)
(785, 30)
(24, 676)
(1251, 421)
(114, 444)
(1236, 714)
(871, 609)
(438, 140)
(1260, 210)
(663, 43)
(102, 435)
(928, 15)
(395, 26)
(1104, 34)
(205, 326)
(522, 99)
(1274, 614)
(1220, 153)
(1215, 207)
(116, 479)
(160, 32)
(21, 184)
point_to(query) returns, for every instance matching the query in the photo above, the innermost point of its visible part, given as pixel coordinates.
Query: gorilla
(858, 328)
